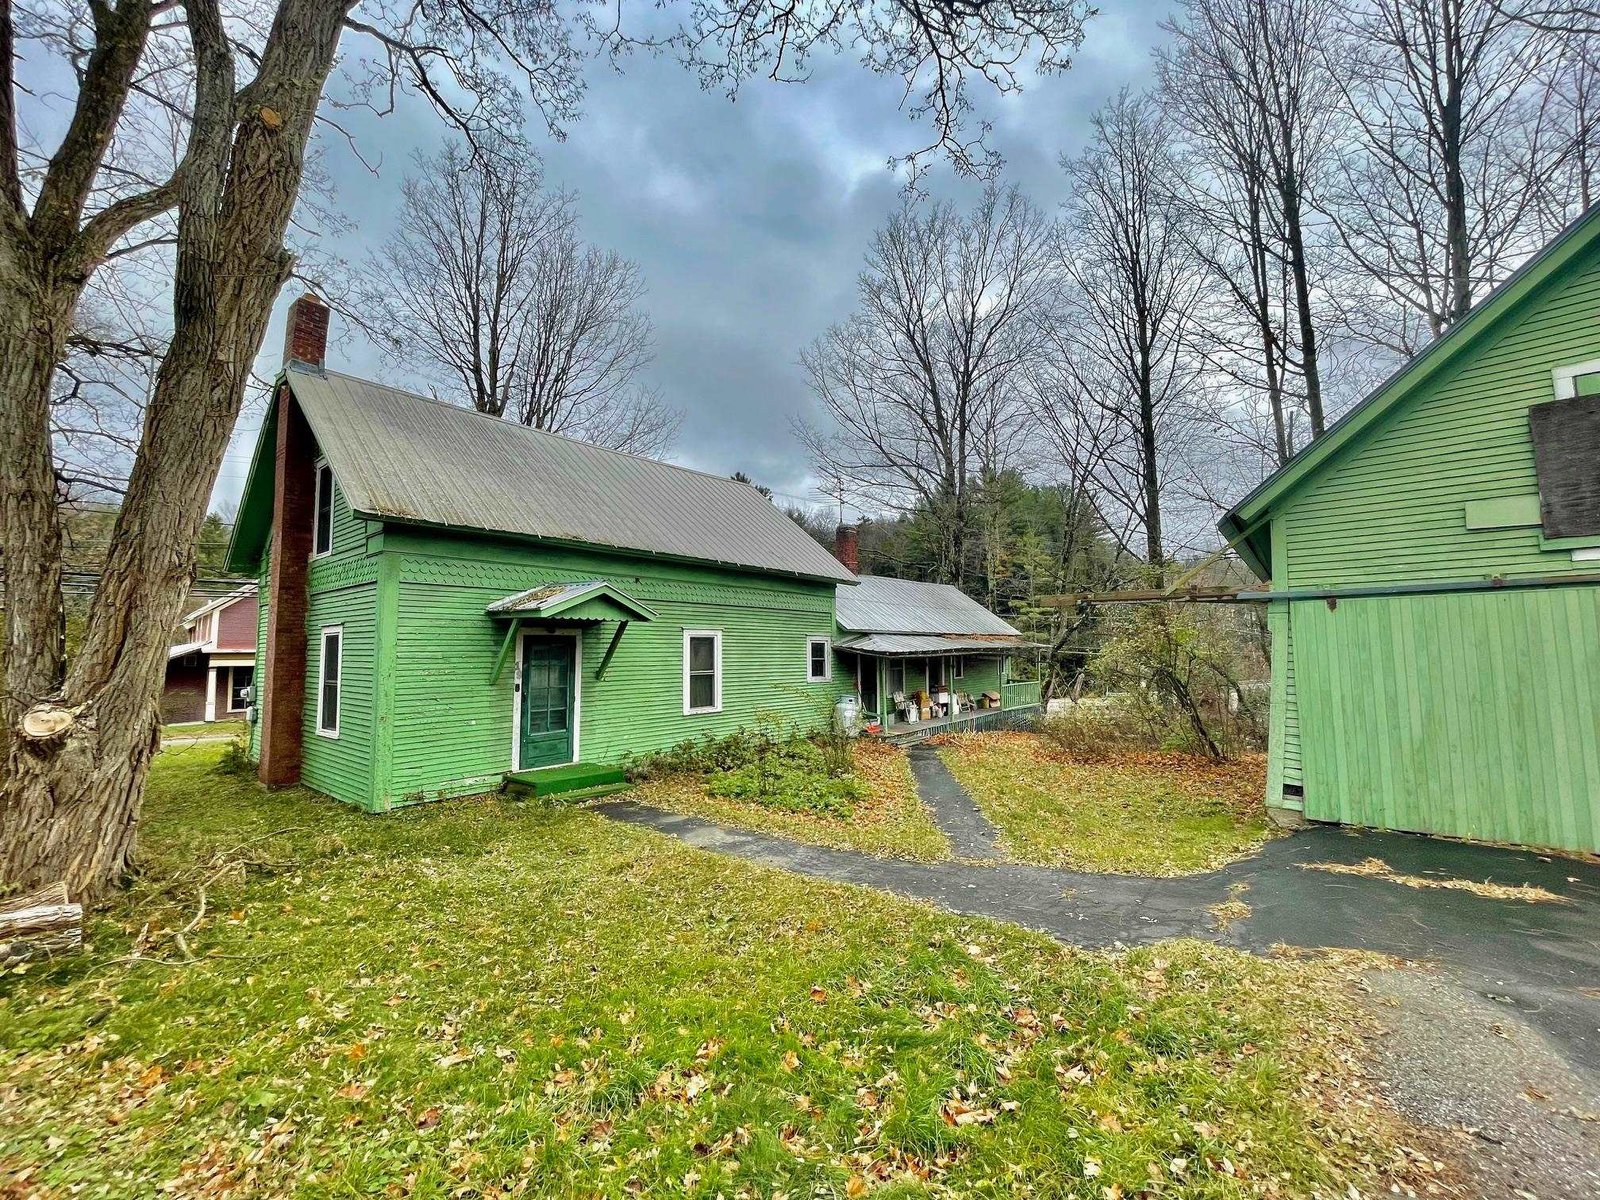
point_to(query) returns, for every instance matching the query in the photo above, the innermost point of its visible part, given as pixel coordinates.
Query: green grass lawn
(488, 999)
(889, 821)
(1138, 814)
(205, 729)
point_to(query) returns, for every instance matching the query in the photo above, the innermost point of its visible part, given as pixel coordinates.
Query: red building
(210, 672)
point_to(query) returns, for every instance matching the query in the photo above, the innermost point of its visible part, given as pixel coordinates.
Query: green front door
(547, 694)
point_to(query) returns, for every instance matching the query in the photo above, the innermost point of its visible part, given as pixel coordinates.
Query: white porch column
(211, 693)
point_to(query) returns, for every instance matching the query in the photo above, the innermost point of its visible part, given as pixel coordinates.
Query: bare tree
(1432, 205)
(487, 282)
(1135, 288)
(1569, 182)
(1248, 85)
(918, 390)
(581, 347)
(238, 93)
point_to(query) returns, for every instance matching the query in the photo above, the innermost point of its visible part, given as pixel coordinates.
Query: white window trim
(827, 659)
(316, 507)
(958, 667)
(322, 667)
(716, 670)
(577, 693)
(231, 669)
(1565, 378)
(901, 690)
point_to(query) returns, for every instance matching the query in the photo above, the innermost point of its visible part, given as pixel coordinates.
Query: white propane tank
(848, 709)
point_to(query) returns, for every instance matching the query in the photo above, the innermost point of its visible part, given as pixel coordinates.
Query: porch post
(211, 692)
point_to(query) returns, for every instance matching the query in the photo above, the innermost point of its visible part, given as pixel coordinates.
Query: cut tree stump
(40, 924)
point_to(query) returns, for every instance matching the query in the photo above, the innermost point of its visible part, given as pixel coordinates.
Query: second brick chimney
(305, 335)
(847, 547)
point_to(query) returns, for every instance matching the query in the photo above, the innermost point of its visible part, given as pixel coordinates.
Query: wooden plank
(1502, 512)
(505, 650)
(605, 659)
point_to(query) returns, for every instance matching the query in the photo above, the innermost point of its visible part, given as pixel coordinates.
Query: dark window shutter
(1566, 455)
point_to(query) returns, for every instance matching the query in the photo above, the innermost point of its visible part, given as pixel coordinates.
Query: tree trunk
(72, 792)
(33, 334)
(42, 924)
(1150, 469)
(1300, 271)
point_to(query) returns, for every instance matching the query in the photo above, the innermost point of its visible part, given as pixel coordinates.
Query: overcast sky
(749, 219)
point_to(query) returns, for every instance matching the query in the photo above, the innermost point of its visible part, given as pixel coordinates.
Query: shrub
(787, 784)
(1097, 729)
(235, 758)
(772, 763)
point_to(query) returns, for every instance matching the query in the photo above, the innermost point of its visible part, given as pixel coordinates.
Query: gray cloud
(749, 218)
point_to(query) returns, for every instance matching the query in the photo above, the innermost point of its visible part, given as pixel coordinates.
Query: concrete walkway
(1541, 960)
(956, 813)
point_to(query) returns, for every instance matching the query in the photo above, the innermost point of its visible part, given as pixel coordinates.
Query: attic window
(1566, 449)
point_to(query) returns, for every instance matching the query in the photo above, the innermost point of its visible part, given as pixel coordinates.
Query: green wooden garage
(1434, 568)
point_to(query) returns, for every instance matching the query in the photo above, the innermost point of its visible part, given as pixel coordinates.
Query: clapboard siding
(342, 767)
(260, 674)
(452, 729)
(1471, 715)
(1390, 508)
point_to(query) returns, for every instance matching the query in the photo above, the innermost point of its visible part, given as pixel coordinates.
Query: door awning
(587, 600)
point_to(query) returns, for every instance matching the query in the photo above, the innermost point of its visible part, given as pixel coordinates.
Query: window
(322, 529)
(239, 681)
(702, 670)
(935, 674)
(328, 681)
(819, 660)
(897, 677)
(958, 667)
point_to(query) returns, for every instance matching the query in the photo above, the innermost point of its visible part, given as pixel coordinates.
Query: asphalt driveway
(1542, 960)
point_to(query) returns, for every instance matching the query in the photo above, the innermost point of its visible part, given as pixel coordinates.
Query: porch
(1020, 716)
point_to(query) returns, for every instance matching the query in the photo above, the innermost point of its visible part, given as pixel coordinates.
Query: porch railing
(1019, 693)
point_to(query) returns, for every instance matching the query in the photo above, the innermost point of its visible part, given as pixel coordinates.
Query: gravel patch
(1512, 1114)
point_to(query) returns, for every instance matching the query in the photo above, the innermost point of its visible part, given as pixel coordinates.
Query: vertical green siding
(1392, 507)
(453, 729)
(1470, 714)
(1291, 706)
(1473, 715)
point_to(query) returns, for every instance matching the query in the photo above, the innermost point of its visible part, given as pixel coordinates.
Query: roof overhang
(238, 593)
(1248, 522)
(587, 600)
(920, 645)
(185, 648)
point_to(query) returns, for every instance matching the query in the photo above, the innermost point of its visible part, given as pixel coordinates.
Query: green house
(448, 599)
(1434, 567)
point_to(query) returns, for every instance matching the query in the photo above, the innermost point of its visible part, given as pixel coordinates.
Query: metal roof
(402, 457)
(185, 648)
(552, 599)
(928, 643)
(881, 605)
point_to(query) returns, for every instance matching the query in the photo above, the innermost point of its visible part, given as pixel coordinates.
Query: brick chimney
(283, 687)
(305, 335)
(847, 547)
